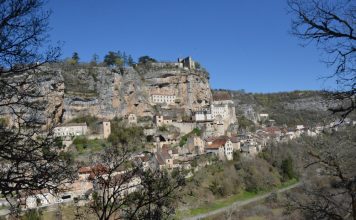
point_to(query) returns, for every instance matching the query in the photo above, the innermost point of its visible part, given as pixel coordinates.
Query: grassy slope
(229, 200)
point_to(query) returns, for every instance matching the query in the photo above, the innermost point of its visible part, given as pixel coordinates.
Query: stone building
(222, 147)
(163, 98)
(195, 145)
(161, 120)
(187, 62)
(72, 129)
(202, 115)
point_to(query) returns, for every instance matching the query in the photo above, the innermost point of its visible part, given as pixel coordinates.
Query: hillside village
(181, 121)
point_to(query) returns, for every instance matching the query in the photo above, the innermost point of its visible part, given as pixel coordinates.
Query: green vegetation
(287, 169)
(3, 122)
(32, 214)
(184, 138)
(146, 59)
(241, 196)
(221, 184)
(120, 134)
(144, 119)
(244, 123)
(113, 59)
(162, 128)
(75, 58)
(85, 146)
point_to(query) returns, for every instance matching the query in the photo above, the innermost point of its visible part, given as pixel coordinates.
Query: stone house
(222, 147)
(162, 160)
(187, 62)
(236, 144)
(249, 148)
(195, 145)
(70, 130)
(161, 120)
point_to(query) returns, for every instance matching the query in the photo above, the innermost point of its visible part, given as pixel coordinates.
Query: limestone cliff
(106, 92)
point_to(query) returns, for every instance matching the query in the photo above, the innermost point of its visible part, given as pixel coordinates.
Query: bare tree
(30, 157)
(123, 189)
(329, 191)
(331, 24)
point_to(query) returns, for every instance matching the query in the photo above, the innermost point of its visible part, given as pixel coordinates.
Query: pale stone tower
(106, 129)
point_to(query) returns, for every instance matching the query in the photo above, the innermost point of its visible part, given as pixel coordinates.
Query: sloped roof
(220, 96)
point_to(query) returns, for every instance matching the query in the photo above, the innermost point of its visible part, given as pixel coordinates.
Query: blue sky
(244, 44)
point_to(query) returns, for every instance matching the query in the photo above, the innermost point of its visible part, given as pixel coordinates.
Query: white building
(225, 109)
(218, 109)
(163, 98)
(263, 116)
(203, 115)
(73, 129)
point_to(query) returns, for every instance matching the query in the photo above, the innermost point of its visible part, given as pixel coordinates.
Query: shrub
(287, 169)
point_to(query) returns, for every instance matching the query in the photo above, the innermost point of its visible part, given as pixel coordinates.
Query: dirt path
(238, 204)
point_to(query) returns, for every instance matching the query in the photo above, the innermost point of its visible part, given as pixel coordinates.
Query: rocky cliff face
(36, 98)
(106, 93)
(290, 108)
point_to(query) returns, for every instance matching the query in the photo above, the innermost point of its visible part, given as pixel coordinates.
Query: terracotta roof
(220, 96)
(217, 143)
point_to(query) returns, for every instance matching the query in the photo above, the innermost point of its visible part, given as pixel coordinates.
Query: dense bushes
(122, 135)
(230, 178)
(84, 145)
(287, 168)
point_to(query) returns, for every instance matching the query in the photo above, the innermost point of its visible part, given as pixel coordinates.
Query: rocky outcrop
(35, 98)
(107, 93)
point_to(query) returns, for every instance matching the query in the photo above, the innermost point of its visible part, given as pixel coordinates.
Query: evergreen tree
(75, 58)
(130, 61)
(95, 60)
(113, 59)
(287, 168)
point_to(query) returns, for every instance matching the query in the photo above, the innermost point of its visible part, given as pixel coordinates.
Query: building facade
(74, 129)
(163, 98)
